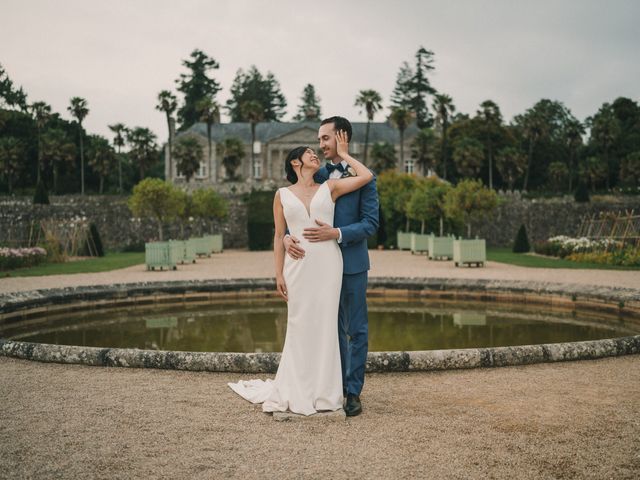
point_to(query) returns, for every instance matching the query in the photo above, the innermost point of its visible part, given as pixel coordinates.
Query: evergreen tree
(195, 86)
(605, 130)
(9, 95)
(253, 112)
(521, 243)
(253, 86)
(421, 87)
(401, 95)
(309, 110)
(582, 192)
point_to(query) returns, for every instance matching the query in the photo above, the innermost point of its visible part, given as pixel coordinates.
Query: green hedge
(260, 226)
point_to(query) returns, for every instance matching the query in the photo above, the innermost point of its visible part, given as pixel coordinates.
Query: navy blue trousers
(353, 331)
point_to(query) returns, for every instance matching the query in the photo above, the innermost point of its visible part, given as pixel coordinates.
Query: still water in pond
(260, 326)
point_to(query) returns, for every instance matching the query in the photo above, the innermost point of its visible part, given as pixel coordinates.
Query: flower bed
(604, 251)
(12, 258)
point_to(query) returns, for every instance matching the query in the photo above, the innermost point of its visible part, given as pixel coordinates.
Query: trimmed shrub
(96, 240)
(582, 193)
(521, 243)
(260, 226)
(41, 197)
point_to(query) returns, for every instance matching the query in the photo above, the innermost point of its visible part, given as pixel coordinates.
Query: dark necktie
(331, 167)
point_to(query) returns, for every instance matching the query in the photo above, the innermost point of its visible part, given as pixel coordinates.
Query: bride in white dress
(309, 377)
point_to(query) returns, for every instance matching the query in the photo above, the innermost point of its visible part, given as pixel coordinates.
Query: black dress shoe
(353, 406)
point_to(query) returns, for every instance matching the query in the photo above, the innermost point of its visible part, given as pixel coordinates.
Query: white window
(408, 165)
(355, 148)
(257, 147)
(257, 168)
(202, 170)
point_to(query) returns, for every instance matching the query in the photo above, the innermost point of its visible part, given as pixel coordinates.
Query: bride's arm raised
(363, 176)
(278, 246)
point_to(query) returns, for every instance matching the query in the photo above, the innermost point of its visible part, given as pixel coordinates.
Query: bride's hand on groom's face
(342, 143)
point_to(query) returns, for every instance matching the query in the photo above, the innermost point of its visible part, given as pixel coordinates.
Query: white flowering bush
(11, 258)
(563, 246)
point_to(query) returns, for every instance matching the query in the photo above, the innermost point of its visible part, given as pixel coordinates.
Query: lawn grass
(505, 255)
(111, 261)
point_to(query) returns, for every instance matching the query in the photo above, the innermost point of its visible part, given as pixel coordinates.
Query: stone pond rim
(624, 302)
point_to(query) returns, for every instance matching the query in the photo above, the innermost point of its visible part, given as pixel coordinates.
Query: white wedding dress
(309, 378)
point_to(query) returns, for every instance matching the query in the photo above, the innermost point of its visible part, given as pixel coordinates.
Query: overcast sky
(120, 54)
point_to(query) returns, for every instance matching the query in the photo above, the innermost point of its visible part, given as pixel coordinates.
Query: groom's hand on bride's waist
(321, 233)
(292, 247)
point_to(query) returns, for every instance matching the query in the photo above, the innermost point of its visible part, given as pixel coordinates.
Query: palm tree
(534, 127)
(209, 111)
(444, 108)
(79, 110)
(143, 147)
(371, 101)
(511, 163)
(421, 149)
(253, 112)
(12, 153)
(491, 121)
(188, 156)
(573, 131)
(119, 131)
(605, 129)
(101, 157)
(168, 103)
(57, 150)
(467, 156)
(41, 113)
(401, 118)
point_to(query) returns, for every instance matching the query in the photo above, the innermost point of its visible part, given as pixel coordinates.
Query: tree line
(545, 148)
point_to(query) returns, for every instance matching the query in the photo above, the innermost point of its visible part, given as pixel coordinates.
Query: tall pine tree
(195, 86)
(309, 110)
(263, 89)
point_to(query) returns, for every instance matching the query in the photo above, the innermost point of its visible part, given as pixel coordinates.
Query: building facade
(273, 141)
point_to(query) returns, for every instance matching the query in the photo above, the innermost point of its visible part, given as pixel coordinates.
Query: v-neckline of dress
(308, 211)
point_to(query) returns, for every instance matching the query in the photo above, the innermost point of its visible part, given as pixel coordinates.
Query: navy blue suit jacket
(356, 214)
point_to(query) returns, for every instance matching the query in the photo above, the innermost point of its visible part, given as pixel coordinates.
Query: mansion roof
(267, 132)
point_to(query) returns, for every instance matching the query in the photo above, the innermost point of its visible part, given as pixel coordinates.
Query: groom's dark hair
(339, 123)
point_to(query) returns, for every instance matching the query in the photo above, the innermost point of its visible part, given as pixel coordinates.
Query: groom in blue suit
(355, 219)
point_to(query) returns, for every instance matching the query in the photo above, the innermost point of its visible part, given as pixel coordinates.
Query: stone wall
(119, 229)
(544, 218)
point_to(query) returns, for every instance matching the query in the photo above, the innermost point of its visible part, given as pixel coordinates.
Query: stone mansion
(273, 141)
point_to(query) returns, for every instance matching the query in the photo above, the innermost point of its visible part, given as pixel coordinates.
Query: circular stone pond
(414, 324)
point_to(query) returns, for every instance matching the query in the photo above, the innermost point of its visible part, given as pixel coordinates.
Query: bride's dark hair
(295, 154)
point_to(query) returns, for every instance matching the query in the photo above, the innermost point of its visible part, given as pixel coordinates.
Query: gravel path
(569, 420)
(243, 264)
(562, 420)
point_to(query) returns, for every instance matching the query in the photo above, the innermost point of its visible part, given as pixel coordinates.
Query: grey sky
(120, 54)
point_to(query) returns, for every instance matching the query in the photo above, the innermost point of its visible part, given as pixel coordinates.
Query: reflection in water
(260, 326)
